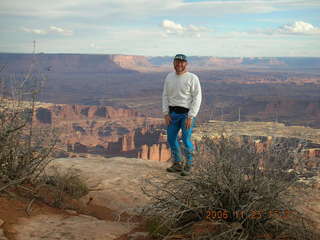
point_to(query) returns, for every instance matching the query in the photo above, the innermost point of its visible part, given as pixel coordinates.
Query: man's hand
(167, 119)
(188, 122)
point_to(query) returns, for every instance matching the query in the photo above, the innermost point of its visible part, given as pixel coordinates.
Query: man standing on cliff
(181, 99)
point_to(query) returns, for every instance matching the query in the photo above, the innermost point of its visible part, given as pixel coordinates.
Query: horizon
(222, 28)
(149, 56)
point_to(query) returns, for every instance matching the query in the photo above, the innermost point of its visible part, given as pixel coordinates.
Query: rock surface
(114, 185)
(138, 235)
(113, 182)
(81, 227)
(2, 236)
(269, 130)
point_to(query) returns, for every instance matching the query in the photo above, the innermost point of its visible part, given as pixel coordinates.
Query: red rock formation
(157, 152)
(224, 61)
(261, 146)
(115, 131)
(165, 153)
(144, 153)
(313, 152)
(98, 129)
(154, 152)
(126, 61)
(127, 142)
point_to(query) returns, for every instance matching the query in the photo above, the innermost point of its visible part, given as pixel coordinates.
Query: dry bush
(24, 148)
(63, 184)
(231, 193)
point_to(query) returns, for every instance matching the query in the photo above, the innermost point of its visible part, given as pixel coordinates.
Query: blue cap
(181, 57)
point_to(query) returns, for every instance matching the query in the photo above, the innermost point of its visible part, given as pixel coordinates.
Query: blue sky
(222, 28)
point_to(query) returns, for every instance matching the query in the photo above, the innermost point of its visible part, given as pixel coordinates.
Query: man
(181, 99)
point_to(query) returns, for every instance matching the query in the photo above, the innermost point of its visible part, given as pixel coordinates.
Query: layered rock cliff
(62, 63)
(131, 62)
(113, 131)
(304, 140)
(104, 130)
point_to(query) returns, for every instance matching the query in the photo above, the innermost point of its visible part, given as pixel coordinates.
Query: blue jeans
(177, 123)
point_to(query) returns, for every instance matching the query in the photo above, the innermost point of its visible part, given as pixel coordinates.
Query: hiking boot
(176, 167)
(186, 170)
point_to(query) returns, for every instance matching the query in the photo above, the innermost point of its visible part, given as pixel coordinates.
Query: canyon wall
(63, 63)
(113, 131)
(104, 130)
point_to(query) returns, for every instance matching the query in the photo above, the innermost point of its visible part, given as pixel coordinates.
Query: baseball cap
(181, 57)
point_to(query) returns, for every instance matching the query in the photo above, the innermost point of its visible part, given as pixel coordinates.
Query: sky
(219, 28)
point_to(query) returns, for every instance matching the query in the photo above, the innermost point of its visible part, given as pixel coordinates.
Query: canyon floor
(108, 212)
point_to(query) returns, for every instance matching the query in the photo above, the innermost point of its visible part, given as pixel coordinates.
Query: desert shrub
(64, 184)
(155, 227)
(22, 156)
(230, 189)
(24, 148)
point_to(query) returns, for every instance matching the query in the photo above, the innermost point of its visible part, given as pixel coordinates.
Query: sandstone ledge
(267, 129)
(69, 228)
(113, 182)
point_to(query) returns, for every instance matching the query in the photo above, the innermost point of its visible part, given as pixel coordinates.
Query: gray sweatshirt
(182, 90)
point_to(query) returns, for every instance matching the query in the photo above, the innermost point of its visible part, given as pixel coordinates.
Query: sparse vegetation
(27, 148)
(64, 184)
(231, 194)
(24, 148)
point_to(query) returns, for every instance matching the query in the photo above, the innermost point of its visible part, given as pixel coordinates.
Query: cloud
(298, 27)
(58, 30)
(295, 28)
(125, 9)
(34, 31)
(51, 29)
(84, 8)
(148, 42)
(172, 28)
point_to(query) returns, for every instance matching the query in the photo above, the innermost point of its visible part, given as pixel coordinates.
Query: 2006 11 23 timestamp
(252, 214)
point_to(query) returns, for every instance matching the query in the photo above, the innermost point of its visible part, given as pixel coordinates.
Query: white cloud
(172, 28)
(111, 9)
(52, 29)
(35, 31)
(298, 27)
(85, 8)
(58, 30)
(295, 28)
(148, 42)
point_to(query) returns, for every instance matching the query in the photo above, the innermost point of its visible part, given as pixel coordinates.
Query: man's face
(180, 66)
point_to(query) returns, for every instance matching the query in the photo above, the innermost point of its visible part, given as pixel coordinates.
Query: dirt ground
(14, 206)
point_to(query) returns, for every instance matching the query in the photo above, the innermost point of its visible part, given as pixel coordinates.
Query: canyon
(111, 104)
(106, 111)
(103, 130)
(261, 89)
(265, 136)
(108, 131)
